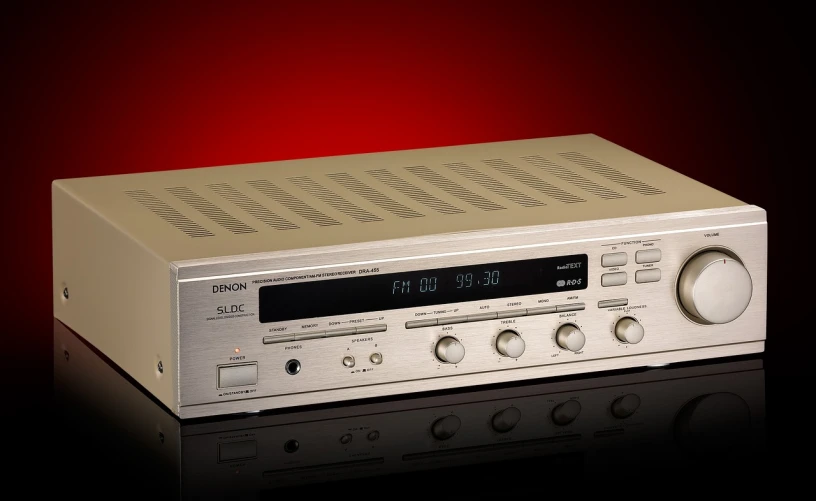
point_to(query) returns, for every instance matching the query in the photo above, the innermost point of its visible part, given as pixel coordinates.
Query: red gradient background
(718, 92)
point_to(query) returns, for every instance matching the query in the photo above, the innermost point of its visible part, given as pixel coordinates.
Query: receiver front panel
(219, 326)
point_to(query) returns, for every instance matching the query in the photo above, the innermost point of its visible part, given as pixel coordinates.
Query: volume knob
(450, 350)
(570, 337)
(714, 287)
(510, 344)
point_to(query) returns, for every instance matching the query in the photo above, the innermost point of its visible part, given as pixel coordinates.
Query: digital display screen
(410, 289)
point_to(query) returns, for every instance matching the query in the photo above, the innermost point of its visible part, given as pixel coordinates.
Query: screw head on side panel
(160, 367)
(65, 293)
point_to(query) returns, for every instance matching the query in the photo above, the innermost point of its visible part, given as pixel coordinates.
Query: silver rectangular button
(541, 310)
(414, 324)
(648, 256)
(612, 279)
(511, 313)
(478, 317)
(237, 375)
(646, 276)
(611, 303)
(279, 338)
(345, 331)
(570, 307)
(452, 320)
(614, 259)
(310, 335)
(368, 329)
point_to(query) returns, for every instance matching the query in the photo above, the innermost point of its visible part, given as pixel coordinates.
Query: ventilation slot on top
(573, 178)
(252, 207)
(414, 192)
(169, 214)
(210, 210)
(293, 204)
(452, 188)
(375, 197)
(333, 199)
(610, 173)
(532, 181)
(493, 185)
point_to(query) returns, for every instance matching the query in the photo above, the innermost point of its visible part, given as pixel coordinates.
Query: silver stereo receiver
(258, 286)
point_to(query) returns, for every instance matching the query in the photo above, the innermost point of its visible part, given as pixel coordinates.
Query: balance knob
(570, 337)
(628, 330)
(625, 406)
(445, 427)
(506, 420)
(565, 413)
(450, 350)
(714, 288)
(510, 344)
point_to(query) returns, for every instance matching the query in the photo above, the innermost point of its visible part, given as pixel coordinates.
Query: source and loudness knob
(628, 330)
(625, 406)
(570, 337)
(714, 287)
(510, 344)
(450, 350)
(445, 427)
(565, 413)
(506, 420)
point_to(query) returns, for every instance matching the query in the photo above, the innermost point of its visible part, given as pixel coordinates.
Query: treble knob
(510, 344)
(450, 350)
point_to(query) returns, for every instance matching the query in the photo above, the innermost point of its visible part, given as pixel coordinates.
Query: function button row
(611, 303)
(346, 331)
(614, 259)
(613, 279)
(478, 317)
(621, 258)
(648, 256)
(647, 276)
(620, 278)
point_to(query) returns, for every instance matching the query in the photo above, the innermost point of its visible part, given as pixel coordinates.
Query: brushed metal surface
(409, 362)
(281, 221)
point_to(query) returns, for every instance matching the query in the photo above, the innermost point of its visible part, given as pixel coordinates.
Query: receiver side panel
(118, 294)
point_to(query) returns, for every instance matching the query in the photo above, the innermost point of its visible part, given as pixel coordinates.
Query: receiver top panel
(294, 204)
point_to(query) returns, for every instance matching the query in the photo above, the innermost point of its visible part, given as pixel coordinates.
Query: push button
(309, 335)
(237, 375)
(511, 313)
(611, 303)
(369, 329)
(646, 276)
(648, 256)
(613, 279)
(279, 338)
(415, 324)
(614, 259)
(460, 319)
(541, 310)
(345, 331)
